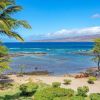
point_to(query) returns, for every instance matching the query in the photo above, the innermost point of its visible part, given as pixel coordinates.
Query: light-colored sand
(93, 88)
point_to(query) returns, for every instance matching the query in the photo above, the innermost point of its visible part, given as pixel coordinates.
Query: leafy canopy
(96, 48)
(8, 24)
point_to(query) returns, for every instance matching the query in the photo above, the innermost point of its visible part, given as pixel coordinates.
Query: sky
(58, 18)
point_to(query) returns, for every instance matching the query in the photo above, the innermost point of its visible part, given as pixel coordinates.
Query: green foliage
(28, 88)
(77, 98)
(51, 93)
(82, 91)
(70, 98)
(91, 80)
(4, 85)
(62, 98)
(4, 59)
(56, 84)
(95, 96)
(7, 22)
(42, 86)
(44, 92)
(96, 48)
(13, 93)
(96, 51)
(3, 51)
(67, 81)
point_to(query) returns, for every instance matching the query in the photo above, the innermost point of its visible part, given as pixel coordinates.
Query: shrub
(95, 96)
(3, 50)
(67, 81)
(62, 98)
(42, 86)
(51, 93)
(56, 84)
(4, 85)
(28, 88)
(82, 91)
(11, 97)
(70, 98)
(77, 98)
(91, 80)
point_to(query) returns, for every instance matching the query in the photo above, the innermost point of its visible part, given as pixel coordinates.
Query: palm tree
(96, 51)
(7, 22)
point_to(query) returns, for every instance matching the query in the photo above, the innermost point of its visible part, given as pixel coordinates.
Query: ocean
(59, 58)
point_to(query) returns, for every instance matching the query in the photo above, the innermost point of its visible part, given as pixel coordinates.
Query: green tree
(7, 22)
(4, 59)
(96, 51)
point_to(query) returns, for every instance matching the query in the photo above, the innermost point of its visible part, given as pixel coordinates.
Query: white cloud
(97, 15)
(74, 32)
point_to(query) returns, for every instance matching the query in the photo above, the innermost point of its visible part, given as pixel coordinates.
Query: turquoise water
(60, 58)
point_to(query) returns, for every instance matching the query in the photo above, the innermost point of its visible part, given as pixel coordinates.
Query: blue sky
(56, 18)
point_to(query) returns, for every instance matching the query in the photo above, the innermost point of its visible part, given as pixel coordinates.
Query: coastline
(48, 79)
(45, 76)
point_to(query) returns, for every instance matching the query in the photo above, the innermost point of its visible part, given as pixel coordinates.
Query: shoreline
(49, 79)
(46, 72)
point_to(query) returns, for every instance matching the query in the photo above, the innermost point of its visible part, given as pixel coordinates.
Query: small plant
(77, 98)
(52, 93)
(28, 88)
(56, 84)
(91, 80)
(67, 81)
(62, 98)
(82, 91)
(4, 85)
(95, 96)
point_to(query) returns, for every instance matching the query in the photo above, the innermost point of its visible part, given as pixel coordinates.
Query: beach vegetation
(77, 98)
(62, 98)
(56, 84)
(67, 81)
(70, 98)
(95, 96)
(5, 85)
(96, 52)
(3, 51)
(42, 86)
(91, 79)
(51, 93)
(28, 88)
(4, 59)
(45, 92)
(82, 91)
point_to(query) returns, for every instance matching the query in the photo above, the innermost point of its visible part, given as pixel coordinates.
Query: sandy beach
(93, 88)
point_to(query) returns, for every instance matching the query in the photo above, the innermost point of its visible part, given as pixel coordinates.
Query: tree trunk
(99, 65)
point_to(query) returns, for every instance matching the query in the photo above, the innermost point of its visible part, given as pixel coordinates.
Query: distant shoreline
(51, 42)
